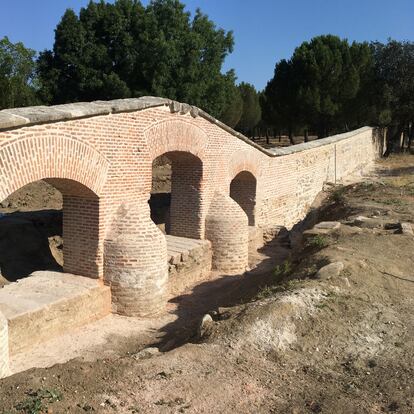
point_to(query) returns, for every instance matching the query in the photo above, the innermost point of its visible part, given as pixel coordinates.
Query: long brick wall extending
(100, 155)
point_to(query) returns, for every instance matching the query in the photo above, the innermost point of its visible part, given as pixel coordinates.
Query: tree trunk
(291, 136)
(410, 136)
(393, 139)
(306, 138)
(267, 136)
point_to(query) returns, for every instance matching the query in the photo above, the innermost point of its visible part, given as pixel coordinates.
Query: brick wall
(186, 178)
(103, 163)
(228, 231)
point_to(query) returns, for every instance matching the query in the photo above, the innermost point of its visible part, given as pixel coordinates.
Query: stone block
(329, 271)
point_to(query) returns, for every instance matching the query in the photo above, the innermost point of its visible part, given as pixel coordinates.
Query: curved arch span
(29, 159)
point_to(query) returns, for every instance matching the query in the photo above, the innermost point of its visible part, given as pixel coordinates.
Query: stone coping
(18, 117)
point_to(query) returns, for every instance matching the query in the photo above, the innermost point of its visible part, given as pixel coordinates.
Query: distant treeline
(124, 49)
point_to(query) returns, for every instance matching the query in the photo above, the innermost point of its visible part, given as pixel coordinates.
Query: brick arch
(175, 135)
(33, 158)
(243, 161)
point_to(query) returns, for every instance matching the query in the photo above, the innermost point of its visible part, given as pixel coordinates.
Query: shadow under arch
(79, 172)
(26, 235)
(182, 205)
(185, 144)
(243, 191)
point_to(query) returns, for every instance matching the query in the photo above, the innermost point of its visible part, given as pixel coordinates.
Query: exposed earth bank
(329, 330)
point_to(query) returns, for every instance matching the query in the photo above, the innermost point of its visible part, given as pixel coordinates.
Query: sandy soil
(281, 340)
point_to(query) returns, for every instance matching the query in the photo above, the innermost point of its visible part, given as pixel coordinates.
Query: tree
(394, 81)
(127, 50)
(234, 108)
(328, 79)
(281, 107)
(17, 75)
(252, 111)
(317, 86)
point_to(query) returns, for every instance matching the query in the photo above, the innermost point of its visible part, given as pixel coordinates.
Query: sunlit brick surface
(103, 166)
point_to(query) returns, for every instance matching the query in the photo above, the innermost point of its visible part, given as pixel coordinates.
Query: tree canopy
(127, 50)
(251, 112)
(329, 85)
(17, 71)
(318, 84)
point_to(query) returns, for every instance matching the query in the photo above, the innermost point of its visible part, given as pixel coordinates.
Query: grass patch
(393, 202)
(338, 194)
(288, 286)
(38, 401)
(282, 271)
(318, 241)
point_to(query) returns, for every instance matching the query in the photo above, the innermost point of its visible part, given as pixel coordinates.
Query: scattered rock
(328, 225)
(146, 353)
(367, 222)
(407, 228)
(330, 270)
(206, 326)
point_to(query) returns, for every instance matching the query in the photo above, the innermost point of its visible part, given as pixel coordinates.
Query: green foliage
(288, 286)
(338, 194)
(124, 50)
(317, 85)
(280, 101)
(318, 241)
(252, 112)
(38, 401)
(17, 75)
(283, 270)
(234, 108)
(329, 85)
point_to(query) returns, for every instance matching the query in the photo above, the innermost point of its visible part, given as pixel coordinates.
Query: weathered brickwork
(99, 155)
(4, 347)
(227, 229)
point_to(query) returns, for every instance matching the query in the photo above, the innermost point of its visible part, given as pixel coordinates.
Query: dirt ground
(282, 340)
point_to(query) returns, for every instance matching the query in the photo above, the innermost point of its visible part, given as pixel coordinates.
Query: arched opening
(50, 224)
(243, 191)
(176, 194)
(176, 203)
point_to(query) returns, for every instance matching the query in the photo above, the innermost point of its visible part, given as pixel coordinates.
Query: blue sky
(265, 30)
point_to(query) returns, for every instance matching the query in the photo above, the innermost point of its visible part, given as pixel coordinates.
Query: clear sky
(265, 30)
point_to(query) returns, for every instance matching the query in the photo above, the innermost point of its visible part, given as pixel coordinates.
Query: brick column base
(135, 263)
(4, 347)
(227, 229)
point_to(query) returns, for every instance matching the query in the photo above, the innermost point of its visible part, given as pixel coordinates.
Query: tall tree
(281, 106)
(328, 79)
(126, 50)
(317, 85)
(234, 108)
(17, 75)
(252, 112)
(394, 79)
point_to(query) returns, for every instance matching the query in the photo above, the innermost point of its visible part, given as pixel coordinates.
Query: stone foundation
(189, 262)
(48, 304)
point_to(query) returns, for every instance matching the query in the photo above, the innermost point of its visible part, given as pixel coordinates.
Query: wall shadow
(24, 243)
